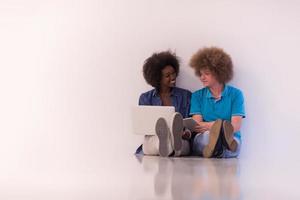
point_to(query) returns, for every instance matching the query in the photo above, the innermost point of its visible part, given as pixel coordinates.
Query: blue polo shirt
(181, 100)
(230, 104)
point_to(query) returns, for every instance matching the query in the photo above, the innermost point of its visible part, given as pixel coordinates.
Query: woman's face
(168, 77)
(207, 78)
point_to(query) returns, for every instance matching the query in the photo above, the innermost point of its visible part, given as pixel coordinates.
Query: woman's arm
(144, 100)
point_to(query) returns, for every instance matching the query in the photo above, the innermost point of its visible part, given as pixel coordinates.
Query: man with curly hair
(160, 71)
(218, 107)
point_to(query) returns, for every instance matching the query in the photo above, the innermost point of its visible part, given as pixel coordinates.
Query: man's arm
(236, 122)
(202, 126)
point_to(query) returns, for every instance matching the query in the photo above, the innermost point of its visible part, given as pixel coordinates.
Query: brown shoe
(228, 134)
(214, 134)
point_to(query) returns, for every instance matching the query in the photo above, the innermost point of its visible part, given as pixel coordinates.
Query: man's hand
(203, 126)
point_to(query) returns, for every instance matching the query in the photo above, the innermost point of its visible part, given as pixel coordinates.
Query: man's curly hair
(153, 66)
(215, 60)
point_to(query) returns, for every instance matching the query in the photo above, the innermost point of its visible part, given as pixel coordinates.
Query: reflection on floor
(198, 178)
(192, 178)
(153, 177)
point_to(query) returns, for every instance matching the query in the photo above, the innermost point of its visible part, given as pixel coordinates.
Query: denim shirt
(181, 100)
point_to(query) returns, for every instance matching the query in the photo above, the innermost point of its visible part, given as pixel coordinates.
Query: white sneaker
(177, 132)
(163, 133)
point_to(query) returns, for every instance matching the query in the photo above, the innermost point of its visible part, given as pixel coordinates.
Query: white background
(71, 70)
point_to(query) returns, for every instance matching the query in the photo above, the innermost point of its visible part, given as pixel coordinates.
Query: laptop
(144, 118)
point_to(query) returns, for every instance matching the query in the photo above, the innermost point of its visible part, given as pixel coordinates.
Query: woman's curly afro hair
(153, 66)
(215, 60)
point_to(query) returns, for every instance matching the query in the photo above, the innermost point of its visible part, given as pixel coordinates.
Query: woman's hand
(187, 134)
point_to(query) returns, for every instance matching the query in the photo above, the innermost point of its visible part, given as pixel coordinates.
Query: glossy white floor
(120, 177)
(198, 178)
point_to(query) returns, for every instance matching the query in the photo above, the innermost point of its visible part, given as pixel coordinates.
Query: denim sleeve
(188, 106)
(238, 108)
(143, 100)
(195, 104)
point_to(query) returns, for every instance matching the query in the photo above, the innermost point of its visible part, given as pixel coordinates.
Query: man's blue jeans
(201, 140)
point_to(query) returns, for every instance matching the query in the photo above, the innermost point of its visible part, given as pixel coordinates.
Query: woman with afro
(218, 107)
(160, 71)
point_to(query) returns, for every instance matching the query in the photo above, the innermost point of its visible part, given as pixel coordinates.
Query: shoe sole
(228, 133)
(177, 130)
(161, 129)
(214, 134)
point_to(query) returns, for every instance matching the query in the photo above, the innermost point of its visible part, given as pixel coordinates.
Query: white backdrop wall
(71, 70)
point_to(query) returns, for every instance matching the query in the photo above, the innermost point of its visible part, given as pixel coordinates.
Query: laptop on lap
(144, 118)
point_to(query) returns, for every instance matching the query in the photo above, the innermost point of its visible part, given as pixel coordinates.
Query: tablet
(189, 123)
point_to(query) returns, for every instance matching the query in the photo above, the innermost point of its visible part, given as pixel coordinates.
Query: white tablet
(189, 123)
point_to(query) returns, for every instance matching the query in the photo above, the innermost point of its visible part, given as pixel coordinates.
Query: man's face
(207, 78)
